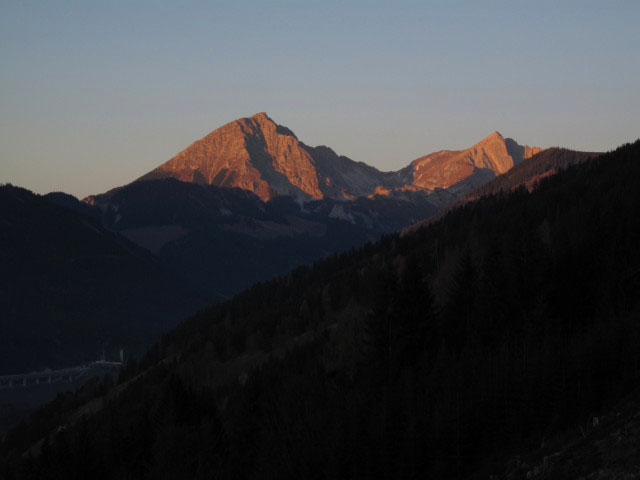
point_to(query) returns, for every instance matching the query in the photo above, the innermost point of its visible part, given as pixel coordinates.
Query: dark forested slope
(440, 353)
(70, 288)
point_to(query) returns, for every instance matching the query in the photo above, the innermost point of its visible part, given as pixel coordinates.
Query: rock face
(260, 156)
(527, 172)
(492, 156)
(250, 153)
(267, 159)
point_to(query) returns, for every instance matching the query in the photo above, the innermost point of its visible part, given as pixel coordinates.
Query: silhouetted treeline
(436, 354)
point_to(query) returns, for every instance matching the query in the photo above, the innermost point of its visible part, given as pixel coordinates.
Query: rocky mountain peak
(491, 156)
(252, 153)
(256, 154)
(492, 136)
(262, 117)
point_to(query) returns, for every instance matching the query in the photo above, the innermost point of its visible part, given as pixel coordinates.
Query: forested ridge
(58, 265)
(439, 353)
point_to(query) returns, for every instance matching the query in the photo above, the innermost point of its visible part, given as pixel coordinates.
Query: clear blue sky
(95, 93)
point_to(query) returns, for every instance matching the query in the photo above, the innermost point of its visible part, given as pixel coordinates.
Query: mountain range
(250, 201)
(247, 202)
(499, 341)
(258, 155)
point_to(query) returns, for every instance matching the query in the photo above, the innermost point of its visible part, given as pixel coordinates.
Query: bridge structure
(48, 376)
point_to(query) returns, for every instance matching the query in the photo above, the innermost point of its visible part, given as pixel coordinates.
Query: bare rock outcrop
(492, 156)
(258, 155)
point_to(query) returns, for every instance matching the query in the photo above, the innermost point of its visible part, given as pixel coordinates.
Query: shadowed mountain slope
(70, 288)
(217, 241)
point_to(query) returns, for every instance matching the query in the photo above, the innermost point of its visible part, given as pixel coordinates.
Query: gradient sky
(94, 94)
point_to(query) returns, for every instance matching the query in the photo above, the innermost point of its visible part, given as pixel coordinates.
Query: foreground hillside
(602, 446)
(441, 353)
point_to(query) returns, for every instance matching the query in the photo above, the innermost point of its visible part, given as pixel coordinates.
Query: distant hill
(217, 241)
(71, 288)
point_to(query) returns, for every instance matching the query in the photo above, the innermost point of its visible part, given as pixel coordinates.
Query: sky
(94, 94)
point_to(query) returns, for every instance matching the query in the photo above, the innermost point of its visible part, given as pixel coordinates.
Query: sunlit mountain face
(258, 155)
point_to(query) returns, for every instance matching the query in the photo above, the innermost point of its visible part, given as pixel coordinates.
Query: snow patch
(301, 203)
(338, 212)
